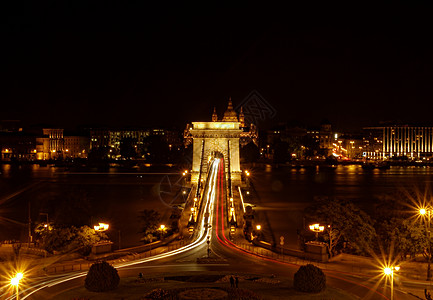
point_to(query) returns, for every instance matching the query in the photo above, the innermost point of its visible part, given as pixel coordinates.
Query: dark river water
(285, 192)
(117, 196)
(113, 196)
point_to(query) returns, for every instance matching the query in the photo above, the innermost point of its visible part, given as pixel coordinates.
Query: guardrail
(134, 256)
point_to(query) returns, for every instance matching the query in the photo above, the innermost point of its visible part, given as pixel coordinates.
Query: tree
(309, 279)
(343, 221)
(150, 220)
(157, 149)
(101, 277)
(281, 152)
(69, 239)
(128, 148)
(250, 152)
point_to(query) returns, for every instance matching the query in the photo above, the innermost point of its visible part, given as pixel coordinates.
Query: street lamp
(16, 282)
(389, 271)
(162, 228)
(101, 227)
(317, 228)
(428, 213)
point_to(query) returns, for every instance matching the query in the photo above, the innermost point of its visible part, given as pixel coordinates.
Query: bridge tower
(219, 138)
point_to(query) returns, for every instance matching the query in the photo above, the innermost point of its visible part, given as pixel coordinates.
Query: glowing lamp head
(422, 211)
(101, 227)
(258, 227)
(162, 227)
(387, 271)
(19, 276)
(15, 281)
(397, 268)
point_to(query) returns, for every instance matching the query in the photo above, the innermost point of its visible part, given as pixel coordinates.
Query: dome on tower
(230, 115)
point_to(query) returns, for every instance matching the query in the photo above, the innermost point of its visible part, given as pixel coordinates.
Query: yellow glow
(215, 125)
(422, 211)
(397, 268)
(186, 171)
(195, 199)
(162, 227)
(15, 281)
(101, 227)
(19, 276)
(317, 228)
(258, 227)
(387, 271)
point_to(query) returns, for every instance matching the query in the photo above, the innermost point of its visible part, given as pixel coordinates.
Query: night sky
(133, 64)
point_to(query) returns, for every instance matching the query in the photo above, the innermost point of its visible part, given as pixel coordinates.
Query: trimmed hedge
(309, 279)
(101, 277)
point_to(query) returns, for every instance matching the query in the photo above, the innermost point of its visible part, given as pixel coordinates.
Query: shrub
(309, 279)
(101, 277)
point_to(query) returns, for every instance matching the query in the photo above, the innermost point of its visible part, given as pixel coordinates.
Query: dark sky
(137, 64)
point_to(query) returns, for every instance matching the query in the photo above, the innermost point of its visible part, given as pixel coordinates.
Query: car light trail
(229, 244)
(200, 240)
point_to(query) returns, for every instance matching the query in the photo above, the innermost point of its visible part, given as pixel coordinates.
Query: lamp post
(101, 227)
(162, 228)
(389, 271)
(317, 228)
(16, 282)
(427, 212)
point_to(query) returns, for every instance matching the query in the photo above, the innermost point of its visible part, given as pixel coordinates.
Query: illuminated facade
(216, 138)
(111, 139)
(51, 145)
(17, 146)
(414, 142)
(76, 146)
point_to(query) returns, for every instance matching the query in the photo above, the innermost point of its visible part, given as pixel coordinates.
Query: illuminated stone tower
(217, 139)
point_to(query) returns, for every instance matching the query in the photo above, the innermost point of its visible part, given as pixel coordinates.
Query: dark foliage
(250, 153)
(309, 279)
(101, 277)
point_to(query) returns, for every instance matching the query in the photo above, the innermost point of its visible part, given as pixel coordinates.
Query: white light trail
(200, 240)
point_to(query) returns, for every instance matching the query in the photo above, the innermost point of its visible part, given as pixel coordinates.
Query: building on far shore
(399, 141)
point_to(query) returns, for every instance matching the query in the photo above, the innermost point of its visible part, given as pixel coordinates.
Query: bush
(101, 277)
(309, 279)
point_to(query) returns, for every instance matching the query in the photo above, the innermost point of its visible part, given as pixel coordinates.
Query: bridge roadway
(233, 260)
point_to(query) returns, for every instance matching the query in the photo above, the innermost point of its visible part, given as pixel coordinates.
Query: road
(233, 259)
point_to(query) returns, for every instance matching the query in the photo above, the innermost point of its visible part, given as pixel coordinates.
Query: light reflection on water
(286, 192)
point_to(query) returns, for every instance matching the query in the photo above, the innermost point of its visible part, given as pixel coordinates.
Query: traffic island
(211, 284)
